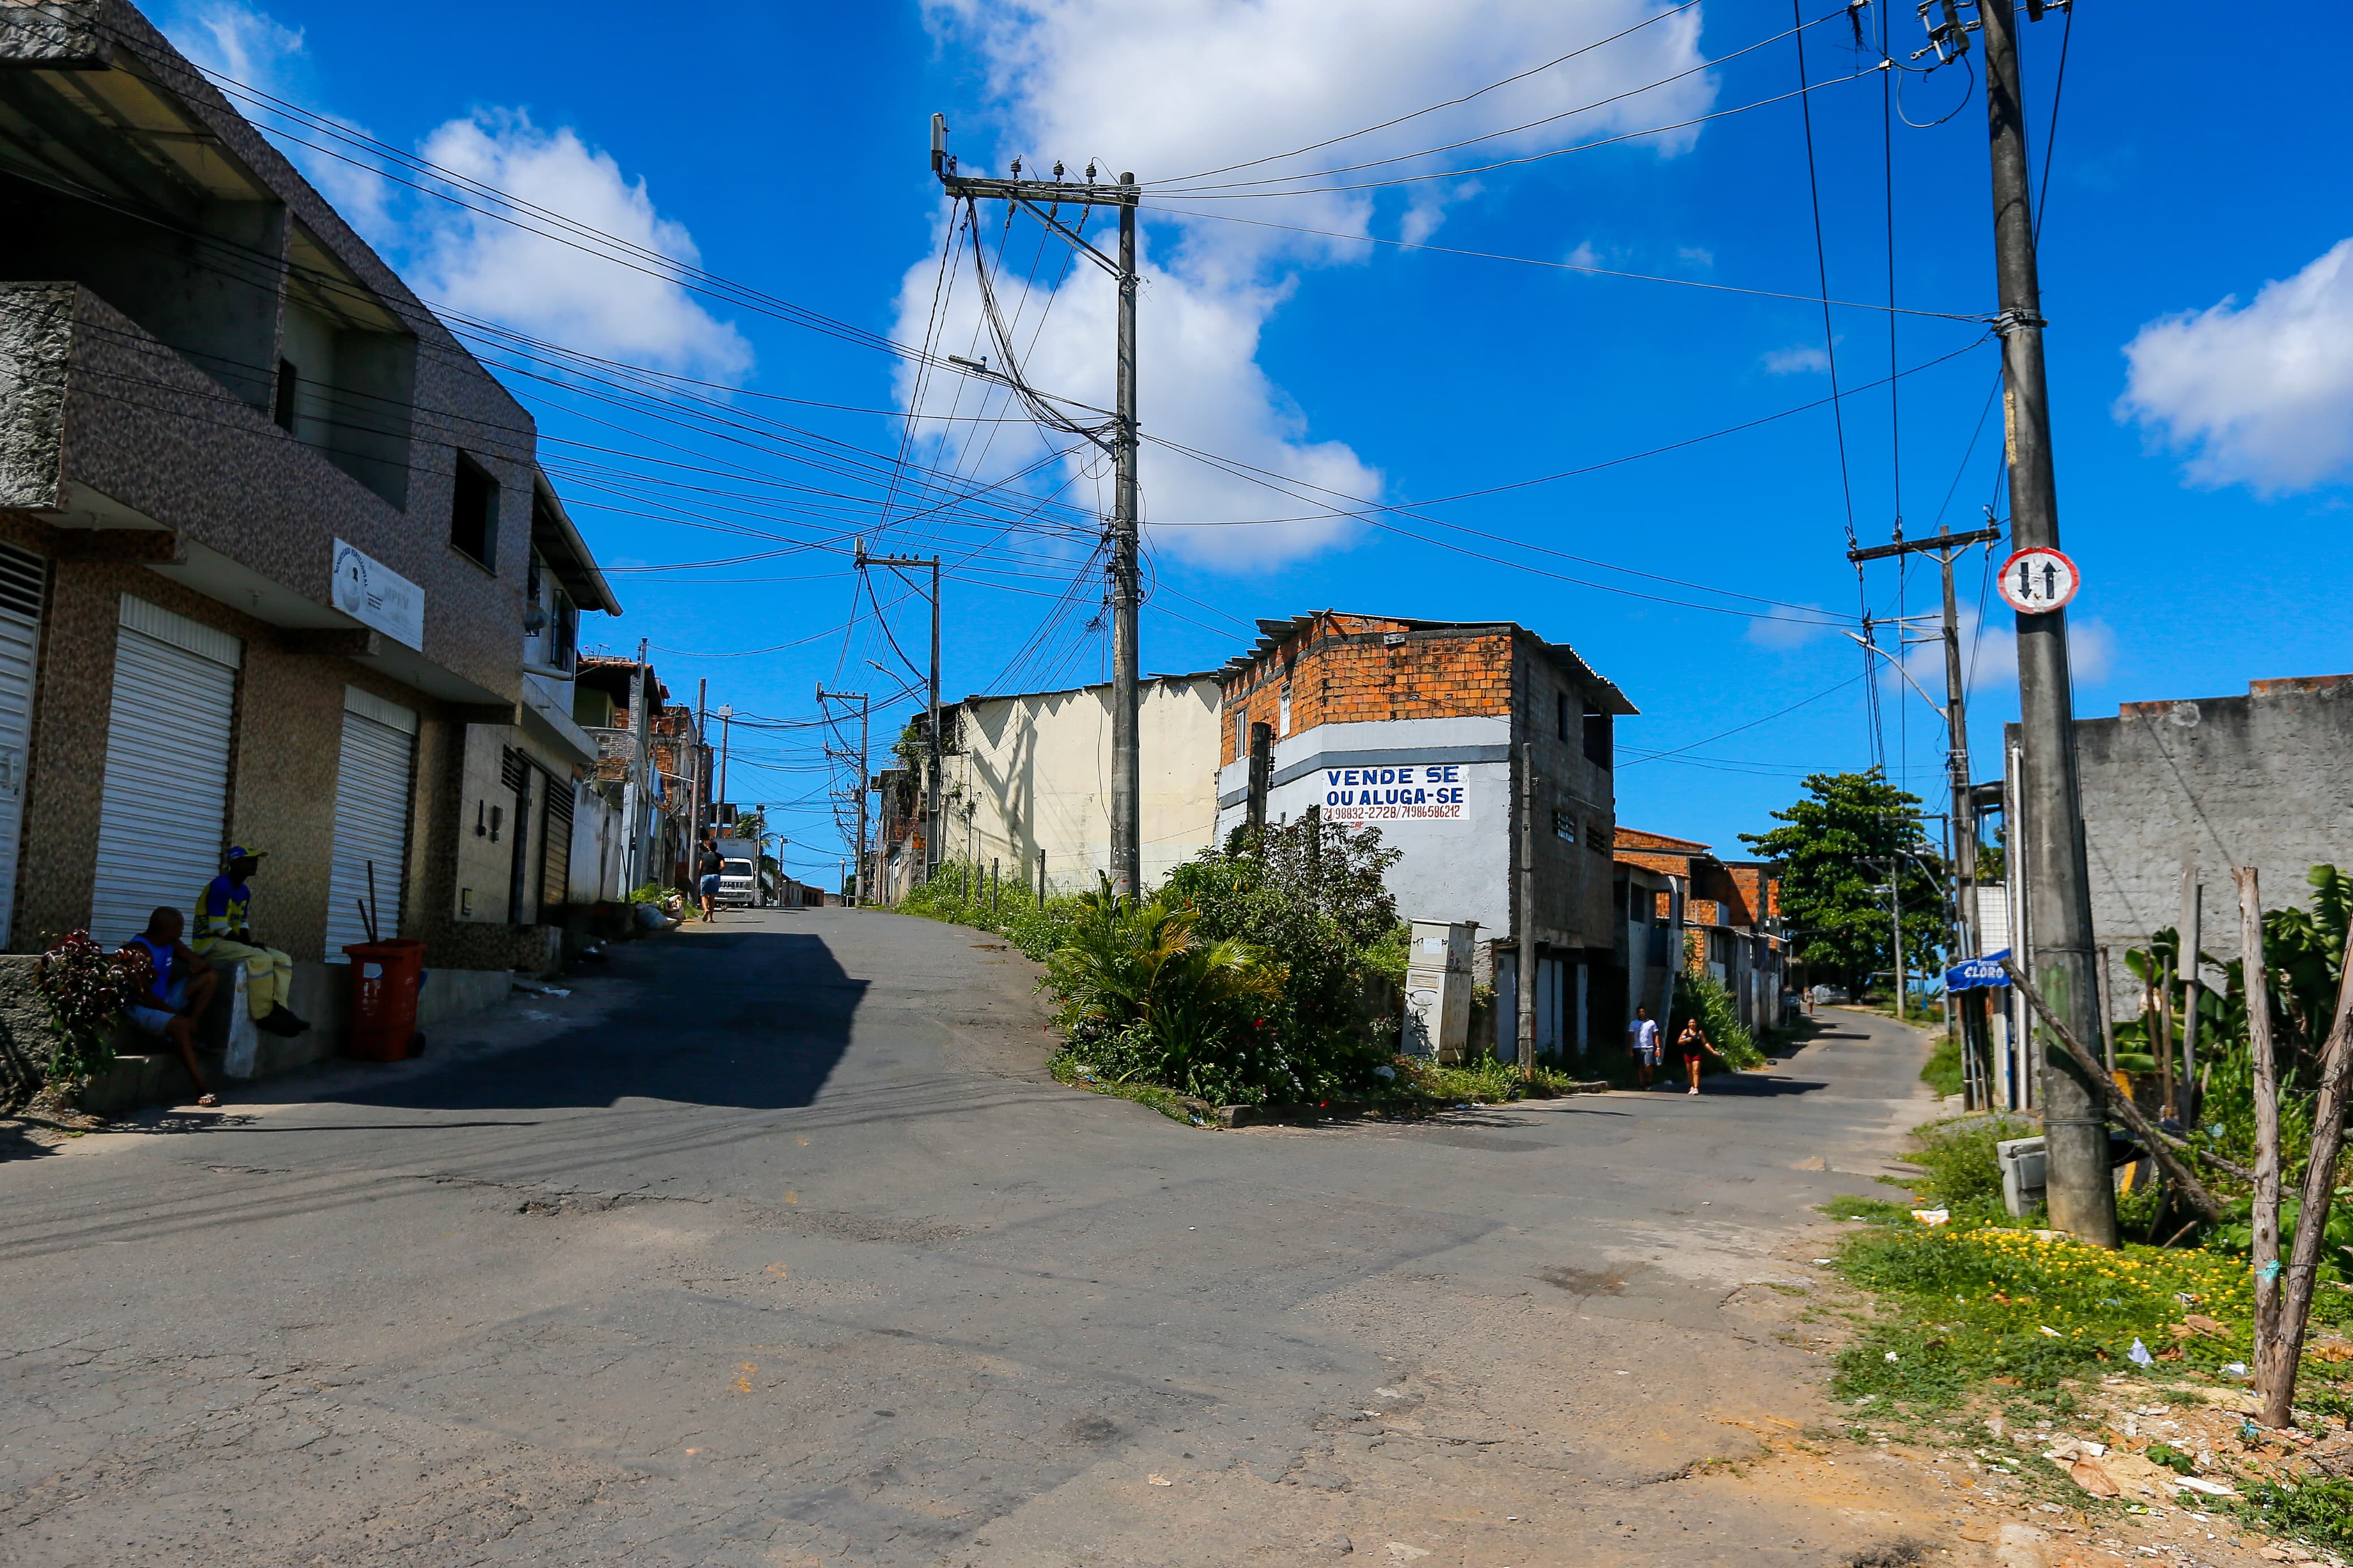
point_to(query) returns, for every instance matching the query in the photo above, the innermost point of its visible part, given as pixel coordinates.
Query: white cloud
(485, 268)
(1697, 255)
(1806, 359)
(2260, 395)
(252, 49)
(1182, 86)
(1782, 632)
(1585, 255)
(1989, 655)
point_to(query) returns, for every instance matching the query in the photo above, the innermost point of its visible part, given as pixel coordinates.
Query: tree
(1831, 886)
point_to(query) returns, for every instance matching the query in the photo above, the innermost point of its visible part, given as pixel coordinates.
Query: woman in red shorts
(1693, 1040)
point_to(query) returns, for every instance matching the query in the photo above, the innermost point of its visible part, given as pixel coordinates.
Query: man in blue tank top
(179, 988)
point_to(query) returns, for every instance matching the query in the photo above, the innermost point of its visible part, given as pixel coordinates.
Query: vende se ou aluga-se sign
(1421, 794)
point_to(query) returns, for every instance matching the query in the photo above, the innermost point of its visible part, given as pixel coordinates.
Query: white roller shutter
(163, 805)
(372, 785)
(22, 576)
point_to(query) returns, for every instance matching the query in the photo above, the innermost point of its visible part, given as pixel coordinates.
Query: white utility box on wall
(1438, 989)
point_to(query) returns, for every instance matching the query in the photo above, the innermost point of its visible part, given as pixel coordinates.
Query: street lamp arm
(1866, 644)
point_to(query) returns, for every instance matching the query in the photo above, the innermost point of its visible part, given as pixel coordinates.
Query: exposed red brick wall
(1442, 675)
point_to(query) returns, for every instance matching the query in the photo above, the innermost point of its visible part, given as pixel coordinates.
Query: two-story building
(278, 564)
(1681, 911)
(1431, 731)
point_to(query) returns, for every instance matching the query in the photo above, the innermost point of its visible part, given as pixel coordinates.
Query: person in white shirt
(1642, 1039)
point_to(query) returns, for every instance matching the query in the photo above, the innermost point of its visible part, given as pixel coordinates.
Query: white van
(739, 880)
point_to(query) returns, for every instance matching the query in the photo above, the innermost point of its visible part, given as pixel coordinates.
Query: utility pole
(1042, 199)
(935, 819)
(726, 735)
(694, 811)
(2058, 882)
(2058, 912)
(1524, 1017)
(859, 887)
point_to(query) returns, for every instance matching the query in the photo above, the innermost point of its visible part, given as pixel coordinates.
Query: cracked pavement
(777, 1244)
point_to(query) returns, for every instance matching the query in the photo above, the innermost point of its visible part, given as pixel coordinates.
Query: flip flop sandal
(208, 1099)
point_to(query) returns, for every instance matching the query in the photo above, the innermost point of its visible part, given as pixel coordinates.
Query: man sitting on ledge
(179, 988)
(222, 932)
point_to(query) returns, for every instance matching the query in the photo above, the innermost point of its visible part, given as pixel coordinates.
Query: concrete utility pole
(2058, 883)
(935, 819)
(859, 887)
(1042, 199)
(726, 736)
(1526, 902)
(694, 812)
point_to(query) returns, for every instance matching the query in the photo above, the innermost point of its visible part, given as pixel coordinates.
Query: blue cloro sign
(1974, 974)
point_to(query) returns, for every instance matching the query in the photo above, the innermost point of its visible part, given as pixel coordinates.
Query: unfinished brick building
(1422, 729)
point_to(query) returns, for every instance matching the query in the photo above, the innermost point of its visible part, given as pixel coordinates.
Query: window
(1563, 827)
(1242, 736)
(474, 513)
(1560, 712)
(1597, 740)
(282, 405)
(1283, 714)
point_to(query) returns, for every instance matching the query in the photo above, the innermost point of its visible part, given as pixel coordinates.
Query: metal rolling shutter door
(372, 790)
(556, 843)
(163, 804)
(22, 576)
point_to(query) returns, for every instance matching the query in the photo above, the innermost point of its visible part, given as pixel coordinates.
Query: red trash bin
(385, 978)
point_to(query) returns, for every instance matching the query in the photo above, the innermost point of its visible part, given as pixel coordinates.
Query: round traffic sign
(2036, 582)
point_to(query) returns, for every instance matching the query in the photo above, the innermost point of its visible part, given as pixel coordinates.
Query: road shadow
(750, 1020)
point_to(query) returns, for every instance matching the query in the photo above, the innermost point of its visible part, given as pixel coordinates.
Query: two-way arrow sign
(2036, 582)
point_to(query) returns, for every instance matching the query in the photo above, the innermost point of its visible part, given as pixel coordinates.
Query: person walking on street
(1642, 1039)
(1693, 1040)
(707, 868)
(224, 932)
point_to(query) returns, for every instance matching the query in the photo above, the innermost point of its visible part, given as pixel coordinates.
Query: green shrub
(1147, 996)
(1703, 997)
(1958, 1168)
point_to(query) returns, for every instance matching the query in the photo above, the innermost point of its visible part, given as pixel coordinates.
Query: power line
(1572, 267)
(1449, 103)
(1206, 195)
(1509, 130)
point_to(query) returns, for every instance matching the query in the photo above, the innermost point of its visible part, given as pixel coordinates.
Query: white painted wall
(1034, 776)
(1453, 870)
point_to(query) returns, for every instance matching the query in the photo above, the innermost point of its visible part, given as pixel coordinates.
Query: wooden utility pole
(1042, 199)
(2049, 831)
(2264, 1211)
(2190, 939)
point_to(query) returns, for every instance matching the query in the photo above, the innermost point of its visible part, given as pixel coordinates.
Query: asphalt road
(777, 1244)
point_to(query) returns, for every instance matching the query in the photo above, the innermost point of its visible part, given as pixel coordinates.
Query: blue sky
(2201, 338)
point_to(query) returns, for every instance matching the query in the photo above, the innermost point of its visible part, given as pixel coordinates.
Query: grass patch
(1067, 1069)
(2318, 1510)
(1942, 1071)
(1963, 1304)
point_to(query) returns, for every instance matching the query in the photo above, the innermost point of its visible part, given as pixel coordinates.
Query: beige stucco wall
(1034, 777)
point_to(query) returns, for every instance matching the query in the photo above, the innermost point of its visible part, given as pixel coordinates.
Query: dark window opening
(1597, 740)
(282, 406)
(474, 513)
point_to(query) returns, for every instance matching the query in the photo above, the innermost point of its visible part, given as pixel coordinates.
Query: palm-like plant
(1127, 961)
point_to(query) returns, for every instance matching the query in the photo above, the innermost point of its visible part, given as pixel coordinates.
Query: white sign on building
(373, 595)
(1432, 793)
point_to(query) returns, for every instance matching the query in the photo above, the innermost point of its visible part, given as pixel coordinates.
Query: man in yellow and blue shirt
(223, 931)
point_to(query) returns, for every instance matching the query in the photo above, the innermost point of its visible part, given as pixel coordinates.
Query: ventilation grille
(22, 573)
